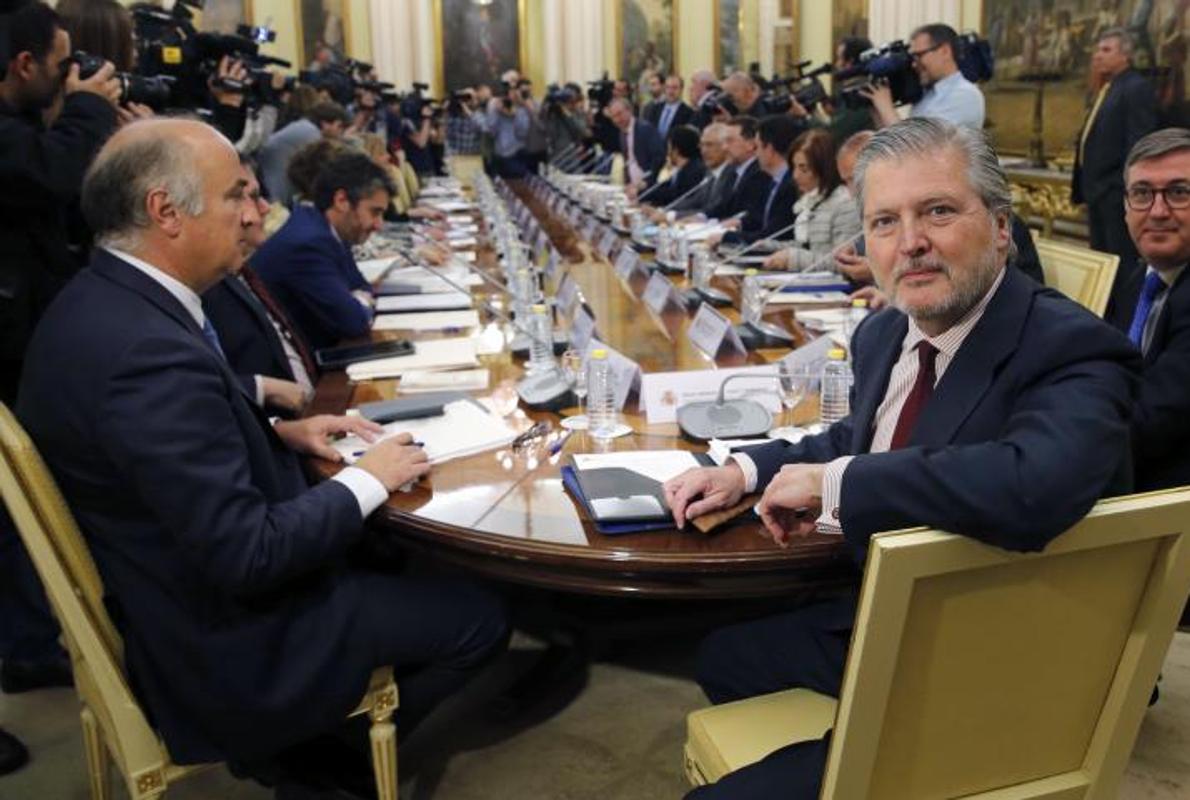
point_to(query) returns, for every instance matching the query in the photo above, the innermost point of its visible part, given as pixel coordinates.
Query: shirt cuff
(832, 488)
(259, 390)
(748, 467)
(368, 490)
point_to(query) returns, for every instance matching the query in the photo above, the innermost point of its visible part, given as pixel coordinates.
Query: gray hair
(1127, 43)
(1157, 144)
(924, 136)
(854, 143)
(716, 130)
(114, 190)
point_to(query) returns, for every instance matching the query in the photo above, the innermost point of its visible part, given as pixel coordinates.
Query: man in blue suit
(983, 404)
(767, 197)
(246, 628)
(307, 264)
(642, 146)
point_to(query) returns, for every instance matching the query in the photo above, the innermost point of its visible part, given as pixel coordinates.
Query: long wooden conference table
(505, 514)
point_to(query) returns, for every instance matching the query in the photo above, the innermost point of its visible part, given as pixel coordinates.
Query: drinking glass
(797, 381)
(574, 367)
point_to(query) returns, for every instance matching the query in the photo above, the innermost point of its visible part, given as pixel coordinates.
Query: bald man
(247, 629)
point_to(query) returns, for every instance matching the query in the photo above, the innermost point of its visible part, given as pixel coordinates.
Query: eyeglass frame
(1162, 191)
(916, 56)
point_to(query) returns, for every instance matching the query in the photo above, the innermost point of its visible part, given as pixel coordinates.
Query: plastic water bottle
(752, 297)
(541, 343)
(701, 268)
(601, 396)
(855, 315)
(836, 387)
(663, 247)
(522, 292)
(681, 252)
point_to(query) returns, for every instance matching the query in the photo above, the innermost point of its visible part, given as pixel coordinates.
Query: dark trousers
(803, 649)
(1109, 234)
(28, 629)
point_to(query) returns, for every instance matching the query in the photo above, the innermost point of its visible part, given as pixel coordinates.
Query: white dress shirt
(369, 492)
(900, 383)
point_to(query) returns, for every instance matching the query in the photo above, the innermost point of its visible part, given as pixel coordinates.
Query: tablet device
(340, 357)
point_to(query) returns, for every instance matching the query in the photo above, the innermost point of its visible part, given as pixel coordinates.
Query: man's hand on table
(792, 502)
(310, 436)
(395, 461)
(699, 491)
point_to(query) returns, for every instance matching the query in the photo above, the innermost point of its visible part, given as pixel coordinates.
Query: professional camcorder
(153, 92)
(600, 92)
(805, 87)
(892, 64)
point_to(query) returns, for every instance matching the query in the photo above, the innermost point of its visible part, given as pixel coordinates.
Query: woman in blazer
(825, 216)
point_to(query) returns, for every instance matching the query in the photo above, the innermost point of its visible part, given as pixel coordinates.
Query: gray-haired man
(983, 404)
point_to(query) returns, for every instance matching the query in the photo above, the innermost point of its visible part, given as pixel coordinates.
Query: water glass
(574, 367)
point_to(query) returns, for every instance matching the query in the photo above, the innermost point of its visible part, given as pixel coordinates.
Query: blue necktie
(1144, 304)
(208, 333)
(769, 203)
(667, 117)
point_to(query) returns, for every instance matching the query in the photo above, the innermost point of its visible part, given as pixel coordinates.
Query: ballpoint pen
(557, 446)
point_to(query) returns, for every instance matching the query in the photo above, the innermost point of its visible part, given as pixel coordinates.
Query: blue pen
(557, 446)
(359, 453)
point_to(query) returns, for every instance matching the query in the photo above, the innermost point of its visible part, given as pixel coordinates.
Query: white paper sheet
(434, 301)
(429, 354)
(373, 268)
(429, 321)
(463, 380)
(463, 429)
(807, 298)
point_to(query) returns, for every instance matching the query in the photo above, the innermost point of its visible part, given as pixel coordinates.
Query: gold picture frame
(630, 72)
(522, 51)
(303, 10)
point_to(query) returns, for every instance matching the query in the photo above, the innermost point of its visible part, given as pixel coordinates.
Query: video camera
(153, 92)
(601, 92)
(805, 87)
(169, 46)
(342, 81)
(893, 65)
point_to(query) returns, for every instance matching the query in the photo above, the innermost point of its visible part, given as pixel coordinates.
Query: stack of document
(431, 280)
(434, 301)
(463, 380)
(373, 268)
(429, 321)
(464, 428)
(429, 354)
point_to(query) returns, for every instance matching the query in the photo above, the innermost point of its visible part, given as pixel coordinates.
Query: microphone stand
(770, 239)
(687, 193)
(726, 419)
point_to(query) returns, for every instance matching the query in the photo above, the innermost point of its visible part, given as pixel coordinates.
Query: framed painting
(224, 16)
(1045, 46)
(325, 30)
(729, 55)
(849, 18)
(477, 42)
(645, 29)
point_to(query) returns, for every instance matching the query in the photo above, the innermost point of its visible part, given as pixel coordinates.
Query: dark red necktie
(274, 310)
(919, 395)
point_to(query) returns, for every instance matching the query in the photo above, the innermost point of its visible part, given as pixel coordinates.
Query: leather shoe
(13, 754)
(25, 676)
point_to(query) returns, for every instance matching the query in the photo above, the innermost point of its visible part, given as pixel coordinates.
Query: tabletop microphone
(687, 193)
(770, 239)
(564, 154)
(726, 419)
(651, 189)
(574, 158)
(598, 166)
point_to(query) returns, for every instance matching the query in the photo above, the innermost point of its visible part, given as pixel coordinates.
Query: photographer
(508, 124)
(745, 95)
(41, 170)
(948, 94)
(565, 119)
(464, 125)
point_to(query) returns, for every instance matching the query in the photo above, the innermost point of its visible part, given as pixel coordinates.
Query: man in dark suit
(670, 111)
(712, 147)
(741, 144)
(983, 404)
(308, 265)
(642, 146)
(686, 168)
(262, 346)
(1124, 110)
(767, 199)
(246, 629)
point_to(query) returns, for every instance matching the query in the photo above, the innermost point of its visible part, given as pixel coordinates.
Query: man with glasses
(948, 94)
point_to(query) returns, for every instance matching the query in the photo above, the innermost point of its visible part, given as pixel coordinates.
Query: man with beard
(983, 404)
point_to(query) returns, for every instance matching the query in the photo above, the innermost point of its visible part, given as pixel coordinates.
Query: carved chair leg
(96, 754)
(383, 734)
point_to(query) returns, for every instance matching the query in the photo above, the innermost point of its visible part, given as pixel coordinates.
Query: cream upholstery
(979, 673)
(113, 723)
(1082, 274)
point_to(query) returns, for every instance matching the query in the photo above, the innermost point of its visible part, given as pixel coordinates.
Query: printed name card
(608, 242)
(576, 214)
(551, 263)
(540, 243)
(590, 228)
(627, 263)
(659, 293)
(582, 328)
(710, 332)
(566, 295)
(625, 372)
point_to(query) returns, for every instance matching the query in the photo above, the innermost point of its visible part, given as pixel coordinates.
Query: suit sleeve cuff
(259, 382)
(368, 490)
(748, 467)
(832, 489)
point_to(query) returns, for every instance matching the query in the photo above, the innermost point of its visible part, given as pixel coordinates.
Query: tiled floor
(618, 737)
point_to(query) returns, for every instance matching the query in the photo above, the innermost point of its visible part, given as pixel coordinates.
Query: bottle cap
(537, 308)
(837, 354)
(751, 272)
(599, 354)
(859, 302)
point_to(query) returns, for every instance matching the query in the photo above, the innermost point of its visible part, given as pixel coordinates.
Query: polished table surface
(506, 514)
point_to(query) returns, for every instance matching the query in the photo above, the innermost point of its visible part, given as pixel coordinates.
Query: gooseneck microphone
(726, 419)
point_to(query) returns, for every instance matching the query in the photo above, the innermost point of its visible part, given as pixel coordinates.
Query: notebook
(464, 428)
(430, 354)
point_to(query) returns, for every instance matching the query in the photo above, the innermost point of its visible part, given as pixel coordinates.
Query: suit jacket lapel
(245, 296)
(1161, 329)
(991, 342)
(871, 390)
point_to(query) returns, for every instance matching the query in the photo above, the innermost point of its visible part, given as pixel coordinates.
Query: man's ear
(340, 201)
(163, 213)
(1003, 231)
(23, 65)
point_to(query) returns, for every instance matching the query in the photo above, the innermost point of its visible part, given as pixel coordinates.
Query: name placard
(552, 262)
(582, 328)
(590, 228)
(710, 332)
(625, 372)
(608, 242)
(663, 393)
(659, 293)
(566, 295)
(627, 263)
